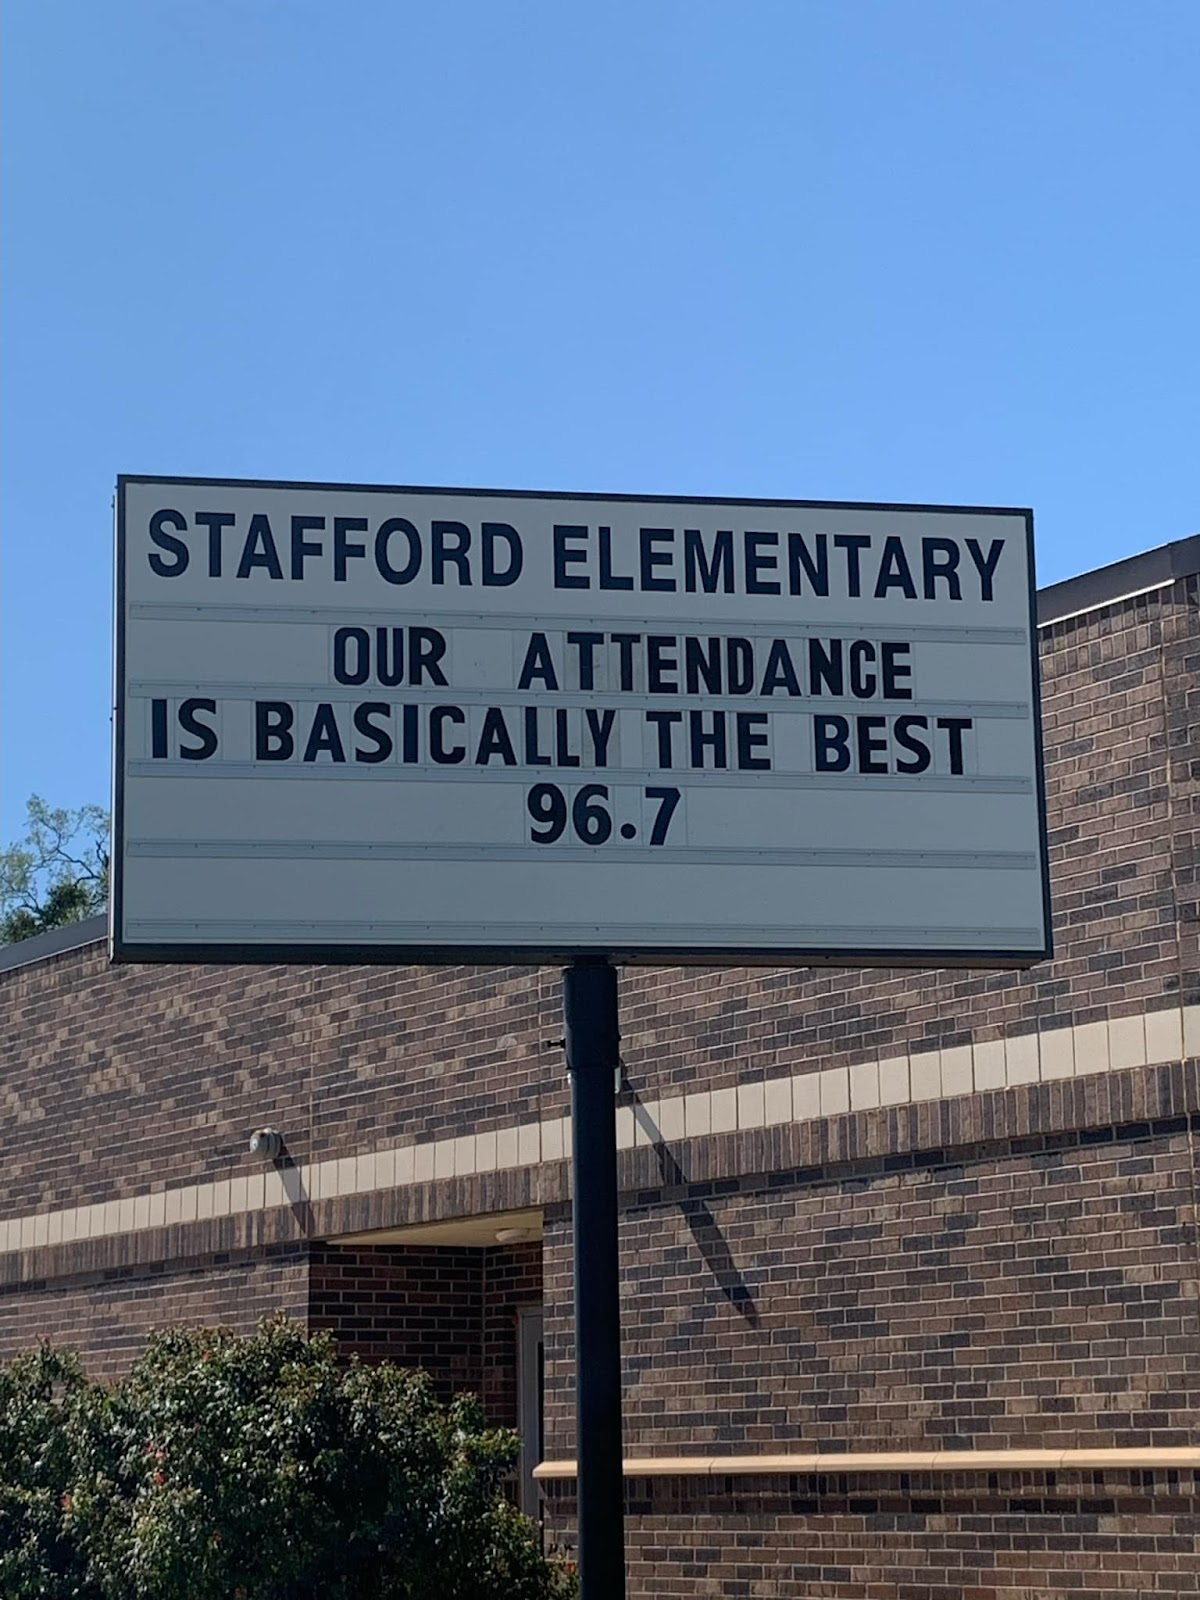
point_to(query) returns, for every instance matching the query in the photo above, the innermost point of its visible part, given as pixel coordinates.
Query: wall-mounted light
(266, 1143)
(512, 1235)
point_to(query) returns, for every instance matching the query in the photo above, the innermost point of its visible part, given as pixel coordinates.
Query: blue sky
(902, 250)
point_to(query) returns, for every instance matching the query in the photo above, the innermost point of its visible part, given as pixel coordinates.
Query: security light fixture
(267, 1143)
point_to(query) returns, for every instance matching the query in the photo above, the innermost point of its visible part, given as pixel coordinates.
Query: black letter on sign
(825, 673)
(343, 639)
(751, 736)
(324, 737)
(408, 572)
(215, 521)
(832, 736)
(664, 723)
(564, 556)
(939, 559)
(759, 559)
(703, 739)
(389, 657)
(168, 541)
(985, 565)
(853, 544)
(538, 663)
(301, 548)
(651, 558)
(802, 565)
(438, 718)
(273, 730)
(586, 644)
(451, 541)
(662, 664)
(343, 548)
(862, 680)
(894, 570)
(252, 556)
(493, 578)
(426, 647)
(779, 672)
(608, 578)
(697, 568)
(907, 741)
(494, 740)
(205, 734)
(897, 670)
(158, 729)
(382, 737)
(739, 666)
(870, 747)
(955, 727)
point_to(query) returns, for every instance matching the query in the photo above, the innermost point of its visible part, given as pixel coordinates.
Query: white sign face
(372, 724)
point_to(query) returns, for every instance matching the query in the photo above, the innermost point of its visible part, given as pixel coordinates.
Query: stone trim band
(1155, 1037)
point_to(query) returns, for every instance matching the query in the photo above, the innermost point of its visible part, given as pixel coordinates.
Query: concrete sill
(947, 1461)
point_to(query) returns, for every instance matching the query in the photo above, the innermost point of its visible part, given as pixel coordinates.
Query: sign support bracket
(593, 1057)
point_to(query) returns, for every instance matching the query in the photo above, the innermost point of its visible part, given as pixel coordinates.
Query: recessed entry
(499, 1227)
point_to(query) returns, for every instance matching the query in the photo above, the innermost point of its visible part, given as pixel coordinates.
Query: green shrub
(255, 1468)
(40, 1557)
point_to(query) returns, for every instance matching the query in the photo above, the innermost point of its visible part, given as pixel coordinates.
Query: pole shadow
(703, 1226)
(297, 1194)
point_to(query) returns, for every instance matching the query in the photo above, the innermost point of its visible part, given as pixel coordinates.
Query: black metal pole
(593, 1055)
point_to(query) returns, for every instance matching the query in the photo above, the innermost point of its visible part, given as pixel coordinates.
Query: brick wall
(1025, 1290)
(107, 1315)
(99, 1062)
(1034, 1293)
(418, 1307)
(512, 1278)
(448, 1309)
(1035, 1536)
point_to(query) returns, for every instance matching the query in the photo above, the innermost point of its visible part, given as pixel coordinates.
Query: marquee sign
(359, 723)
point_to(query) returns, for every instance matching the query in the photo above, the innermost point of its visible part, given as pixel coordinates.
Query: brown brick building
(938, 1230)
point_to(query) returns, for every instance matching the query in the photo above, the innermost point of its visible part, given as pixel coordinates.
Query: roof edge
(54, 943)
(1104, 586)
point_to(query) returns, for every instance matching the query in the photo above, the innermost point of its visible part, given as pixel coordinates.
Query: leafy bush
(40, 1394)
(234, 1468)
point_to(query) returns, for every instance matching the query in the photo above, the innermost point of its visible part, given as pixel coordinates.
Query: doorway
(531, 1364)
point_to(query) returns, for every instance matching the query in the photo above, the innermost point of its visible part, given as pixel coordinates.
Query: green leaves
(57, 874)
(39, 1396)
(232, 1468)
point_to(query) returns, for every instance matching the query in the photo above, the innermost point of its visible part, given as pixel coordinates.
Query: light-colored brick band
(888, 1461)
(1153, 1038)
